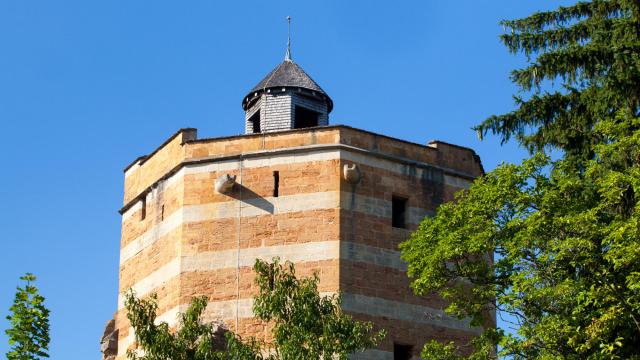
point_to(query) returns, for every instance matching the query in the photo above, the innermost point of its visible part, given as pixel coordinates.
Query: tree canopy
(306, 324)
(565, 232)
(193, 339)
(29, 319)
(591, 49)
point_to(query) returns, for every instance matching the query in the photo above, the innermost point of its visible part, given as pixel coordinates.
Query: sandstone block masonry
(182, 238)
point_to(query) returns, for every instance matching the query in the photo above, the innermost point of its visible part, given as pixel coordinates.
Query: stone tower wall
(195, 241)
(192, 248)
(372, 276)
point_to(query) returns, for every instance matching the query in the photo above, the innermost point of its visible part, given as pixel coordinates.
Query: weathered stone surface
(351, 173)
(219, 340)
(109, 341)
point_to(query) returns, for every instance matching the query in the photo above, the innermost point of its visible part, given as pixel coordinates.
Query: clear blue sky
(87, 86)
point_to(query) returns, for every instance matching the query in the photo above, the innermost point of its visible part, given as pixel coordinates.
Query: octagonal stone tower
(332, 199)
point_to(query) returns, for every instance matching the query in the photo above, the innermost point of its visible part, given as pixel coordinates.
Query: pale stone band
(264, 206)
(296, 253)
(319, 154)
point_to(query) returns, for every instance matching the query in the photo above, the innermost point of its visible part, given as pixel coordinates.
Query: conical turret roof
(289, 74)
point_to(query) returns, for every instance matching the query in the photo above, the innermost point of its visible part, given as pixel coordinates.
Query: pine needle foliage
(590, 51)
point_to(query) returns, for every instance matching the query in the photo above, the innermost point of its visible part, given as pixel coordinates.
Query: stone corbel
(351, 173)
(225, 183)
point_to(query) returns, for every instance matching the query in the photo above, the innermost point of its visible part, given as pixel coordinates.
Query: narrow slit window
(398, 212)
(143, 209)
(162, 213)
(402, 352)
(276, 183)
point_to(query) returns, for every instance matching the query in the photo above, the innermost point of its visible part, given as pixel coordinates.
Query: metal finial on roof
(287, 56)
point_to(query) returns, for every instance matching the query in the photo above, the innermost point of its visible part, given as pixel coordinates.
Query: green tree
(29, 319)
(193, 339)
(306, 325)
(591, 49)
(565, 233)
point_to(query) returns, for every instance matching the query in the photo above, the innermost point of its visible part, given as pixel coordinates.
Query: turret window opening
(305, 118)
(254, 120)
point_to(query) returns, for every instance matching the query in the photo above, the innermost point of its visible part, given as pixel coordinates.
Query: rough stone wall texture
(376, 277)
(161, 162)
(195, 241)
(184, 147)
(109, 341)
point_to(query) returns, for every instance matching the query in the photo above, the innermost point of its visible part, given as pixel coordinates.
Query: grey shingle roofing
(288, 74)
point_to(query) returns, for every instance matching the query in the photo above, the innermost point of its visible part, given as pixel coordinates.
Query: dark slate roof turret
(288, 75)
